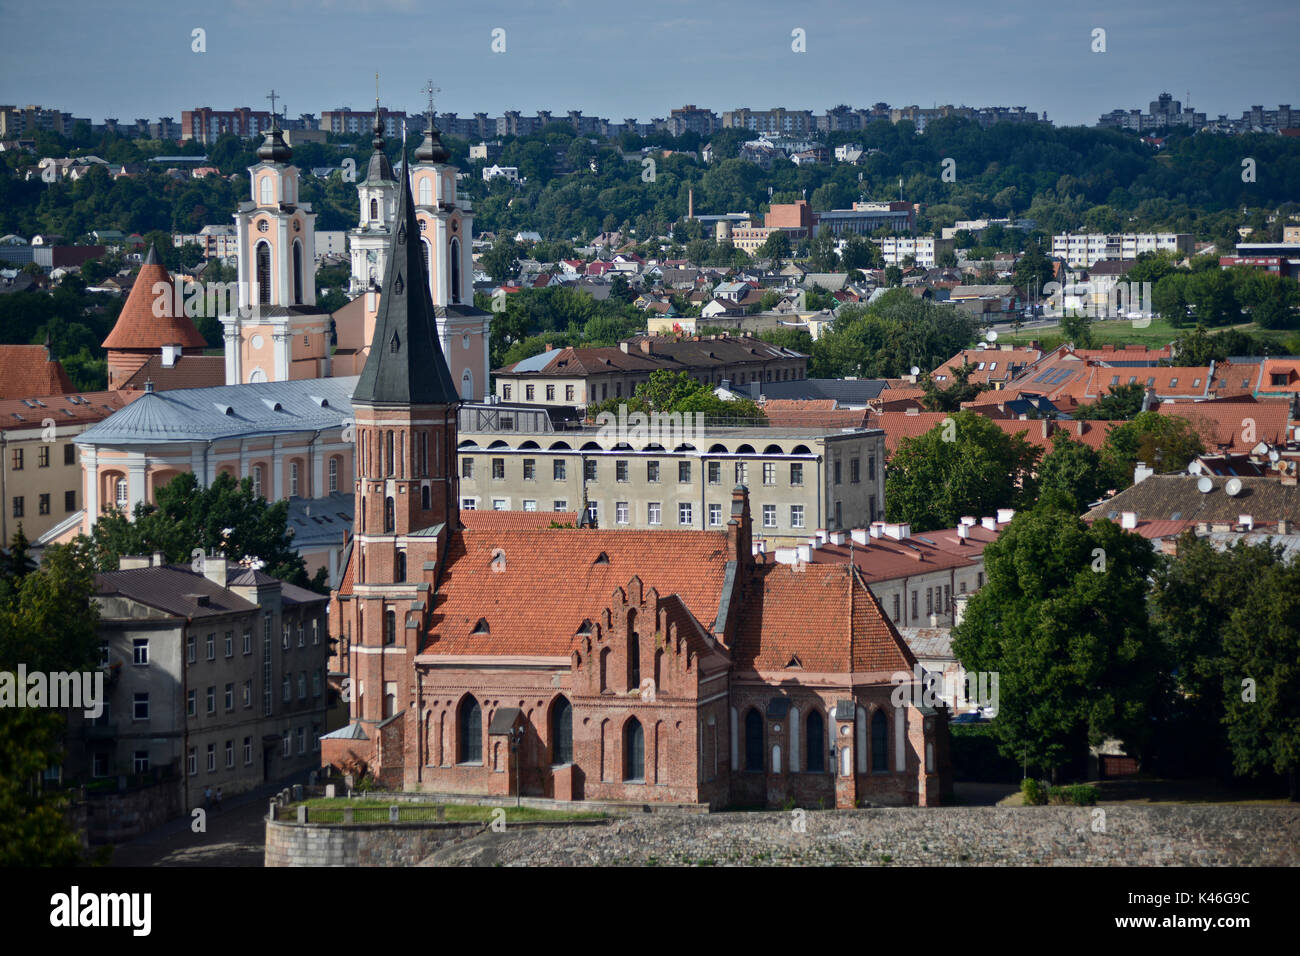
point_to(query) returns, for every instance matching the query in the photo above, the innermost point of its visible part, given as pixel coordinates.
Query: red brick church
(496, 653)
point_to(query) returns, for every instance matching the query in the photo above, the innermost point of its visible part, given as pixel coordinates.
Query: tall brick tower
(405, 407)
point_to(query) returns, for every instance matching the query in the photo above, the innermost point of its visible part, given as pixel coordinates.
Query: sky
(131, 58)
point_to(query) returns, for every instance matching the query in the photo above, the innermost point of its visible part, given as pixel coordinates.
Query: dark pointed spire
(406, 365)
(151, 257)
(274, 149)
(380, 169)
(432, 150)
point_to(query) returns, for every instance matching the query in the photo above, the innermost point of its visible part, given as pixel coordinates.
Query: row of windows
(246, 642)
(469, 732)
(287, 746)
(192, 702)
(43, 457)
(43, 504)
(938, 599)
(653, 471)
(530, 391)
(654, 512)
(813, 738)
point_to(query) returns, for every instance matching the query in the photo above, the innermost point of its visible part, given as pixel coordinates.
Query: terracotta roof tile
(28, 370)
(138, 328)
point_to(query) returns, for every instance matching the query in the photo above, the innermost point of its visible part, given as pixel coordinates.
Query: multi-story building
(865, 218)
(26, 121)
(583, 376)
(1083, 249)
(347, 121)
(216, 241)
(216, 675)
(924, 250)
(205, 124)
(677, 476)
(40, 476)
(777, 120)
(692, 119)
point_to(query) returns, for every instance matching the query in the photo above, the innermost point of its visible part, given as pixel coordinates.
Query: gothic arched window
(561, 730)
(297, 273)
(426, 191)
(425, 498)
(388, 452)
(633, 750)
(374, 209)
(389, 515)
(390, 627)
(399, 572)
(469, 732)
(268, 190)
(753, 740)
(815, 742)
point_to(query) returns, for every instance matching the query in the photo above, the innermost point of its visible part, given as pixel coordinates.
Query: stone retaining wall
(363, 844)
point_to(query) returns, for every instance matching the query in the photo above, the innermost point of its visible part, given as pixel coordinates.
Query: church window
(815, 734)
(257, 480)
(425, 496)
(455, 270)
(268, 191)
(562, 731)
(293, 479)
(426, 191)
(633, 659)
(389, 523)
(297, 274)
(334, 475)
(264, 273)
(122, 498)
(469, 732)
(879, 742)
(399, 573)
(374, 209)
(754, 741)
(390, 626)
(388, 452)
(633, 751)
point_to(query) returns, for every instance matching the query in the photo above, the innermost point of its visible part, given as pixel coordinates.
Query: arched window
(467, 385)
(390, 626)
(426, 191)
(561, 730)
(399, 571)
(268, 190)
(815, 743)
(469, 732)
(879, 742)
(293, 479)
(389, 515)
(633, 750)
(122, 498)
(388, 452)
(428, 256)
(604, 670)
(425, 498)
(334, 475)
(754, 740)
(257, 480)
(374, 209)
(264, 272)
(297, 273)
(455, 270)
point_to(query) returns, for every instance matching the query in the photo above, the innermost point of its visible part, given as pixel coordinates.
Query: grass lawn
(326, 810)
(1116, 331)
(1150, 791)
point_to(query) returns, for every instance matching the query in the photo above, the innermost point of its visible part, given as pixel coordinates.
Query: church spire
(406, 365)
(431, 150)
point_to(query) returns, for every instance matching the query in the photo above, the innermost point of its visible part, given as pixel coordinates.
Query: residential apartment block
(924, 250)
(214, 678)
(799, 479)
(1084, 249)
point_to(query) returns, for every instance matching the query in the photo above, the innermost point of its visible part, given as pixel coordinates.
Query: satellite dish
(991, 335)
(1194, 468)
(916, 370)
(1205, 485)
(1233, 487)
(1274, 454)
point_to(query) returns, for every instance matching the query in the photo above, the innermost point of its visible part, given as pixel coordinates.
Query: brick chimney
(647, 346)
(740, 527)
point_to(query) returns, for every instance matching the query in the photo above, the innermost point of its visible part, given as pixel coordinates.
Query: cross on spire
(273, 97)
(430, 89)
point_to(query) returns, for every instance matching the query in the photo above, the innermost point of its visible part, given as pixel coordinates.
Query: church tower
(278, 333)
(152, 322)
(405, 406)
(378, 195)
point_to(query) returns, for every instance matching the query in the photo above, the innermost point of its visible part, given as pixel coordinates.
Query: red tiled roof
(997, 364)
(820, 614)
(138, 328)
(89, 407)
(1229, 423)
(554, 579)
(189, 371)
(28, 370)
(812, 413)
(900, 425)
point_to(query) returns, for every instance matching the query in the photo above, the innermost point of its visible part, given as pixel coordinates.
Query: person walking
(207, 798)
(218, 798)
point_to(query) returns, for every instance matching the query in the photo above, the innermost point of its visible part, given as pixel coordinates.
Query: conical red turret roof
(138, 328)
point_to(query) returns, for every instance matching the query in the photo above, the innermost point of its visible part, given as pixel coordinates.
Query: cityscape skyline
(1224, 62)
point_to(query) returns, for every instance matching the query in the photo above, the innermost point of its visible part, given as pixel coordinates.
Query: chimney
(963, 533)
(647, 345)
(130, 562)
(214, 569)
(739, 528)
(876, 528)
(170, 353)
(837, 537)
(803, 553)
(989, 524)
(1128, 520)
(1283, 526)
(968, 520)
(1202, 527)
(1078, 427)
(860, 536)
(159, 560)
(1247, 522)
(1141, 473)
(1005, 515)
(814, 543)
(898, 531)
(623, 346)
(821, 533)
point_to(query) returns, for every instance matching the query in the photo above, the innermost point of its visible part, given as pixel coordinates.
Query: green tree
(1062, 621)
(1073, 470)
(1164, 442)
(1122, 402)
(776, 245)
(501, 260)
(1032, 267)
(225, 517)
(960, 389)
(965, 465)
